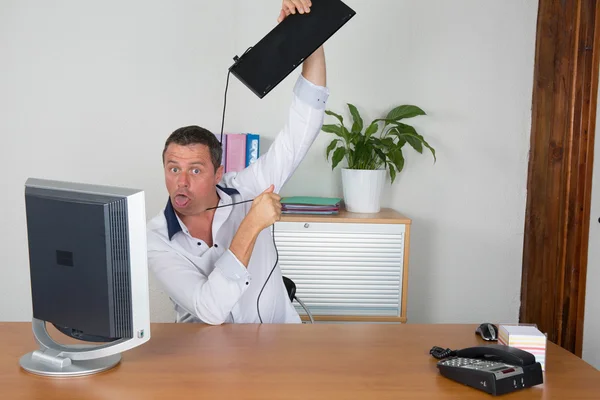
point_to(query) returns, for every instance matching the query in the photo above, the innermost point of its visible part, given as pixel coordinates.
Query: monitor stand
(54, 359)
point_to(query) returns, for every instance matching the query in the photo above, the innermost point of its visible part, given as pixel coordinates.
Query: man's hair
(194, 134)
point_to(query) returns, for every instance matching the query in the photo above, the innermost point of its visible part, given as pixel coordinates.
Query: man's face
(190, 178)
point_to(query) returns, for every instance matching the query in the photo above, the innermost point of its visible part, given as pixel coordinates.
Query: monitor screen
(275, 56)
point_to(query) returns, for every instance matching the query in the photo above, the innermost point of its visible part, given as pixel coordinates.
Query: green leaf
(404, 111)
(398, 159)
(371, 129)
(429, 147)
(338, 155)
(346, 135)
(366, 157)
(336, 129)
(392, 172)
(415, 142)
(381, 154)
(388, 142)
(357, 156)
(387, 121)
(403, 128)
(374, 142)
(350, 158)
(407, 133)
(331, 146)
(391, 131)
(357, 126)
(355, 137)
(412, 137)
(339, 117)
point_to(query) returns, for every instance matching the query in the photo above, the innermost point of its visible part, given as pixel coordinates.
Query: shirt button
(247, 283)
(216, 245)
(199, 243)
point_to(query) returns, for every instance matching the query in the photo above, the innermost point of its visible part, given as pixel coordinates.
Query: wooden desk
(329, 361)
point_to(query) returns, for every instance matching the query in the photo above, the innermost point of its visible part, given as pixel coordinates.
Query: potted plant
(370, 151)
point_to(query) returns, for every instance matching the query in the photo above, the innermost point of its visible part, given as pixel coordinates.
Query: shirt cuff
(232, 268)
(316, 96)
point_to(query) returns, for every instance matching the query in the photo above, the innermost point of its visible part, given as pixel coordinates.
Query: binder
(252, 148)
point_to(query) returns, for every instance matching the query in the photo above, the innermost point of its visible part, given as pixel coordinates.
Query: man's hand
(292, 6)
(264, 212)
(266, 209)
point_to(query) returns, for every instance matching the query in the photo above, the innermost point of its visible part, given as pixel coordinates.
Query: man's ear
(219, 174)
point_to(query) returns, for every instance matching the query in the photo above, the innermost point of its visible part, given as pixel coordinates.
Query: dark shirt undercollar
(173, 225)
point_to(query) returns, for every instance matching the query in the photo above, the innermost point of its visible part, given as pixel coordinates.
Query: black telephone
(495, 369)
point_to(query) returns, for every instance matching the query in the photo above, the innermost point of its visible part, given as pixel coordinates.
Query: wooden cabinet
(347, 267)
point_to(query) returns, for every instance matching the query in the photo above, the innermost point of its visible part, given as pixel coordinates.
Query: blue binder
(252, 148)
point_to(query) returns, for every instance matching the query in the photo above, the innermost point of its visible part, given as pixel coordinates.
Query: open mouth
(181, 200)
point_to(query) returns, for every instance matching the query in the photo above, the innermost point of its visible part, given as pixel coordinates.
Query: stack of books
(310, 205)
(239, 150)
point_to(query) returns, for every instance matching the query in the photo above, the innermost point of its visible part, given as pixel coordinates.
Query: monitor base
(66, 360)
(37, 363)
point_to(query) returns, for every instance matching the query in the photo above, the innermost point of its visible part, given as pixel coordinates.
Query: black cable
(270, 273)
(236, 58)
(229, 205)
(440, 352)
(276, 258)
(224, 105)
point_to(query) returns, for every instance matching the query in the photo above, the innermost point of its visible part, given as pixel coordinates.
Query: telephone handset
(508, 354)
(495, 368)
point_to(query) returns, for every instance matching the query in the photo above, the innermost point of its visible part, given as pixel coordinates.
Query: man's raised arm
(313, 68)
(303, 124)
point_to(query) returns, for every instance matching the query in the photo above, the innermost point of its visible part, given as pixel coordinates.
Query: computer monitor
(89, 275)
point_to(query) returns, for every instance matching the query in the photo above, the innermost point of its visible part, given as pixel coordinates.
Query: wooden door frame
(555, 247)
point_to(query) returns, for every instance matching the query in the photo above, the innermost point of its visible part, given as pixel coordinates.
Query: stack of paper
(310, 205)
(525, 337)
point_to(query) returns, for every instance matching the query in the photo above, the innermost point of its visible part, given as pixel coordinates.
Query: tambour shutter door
(344, 268)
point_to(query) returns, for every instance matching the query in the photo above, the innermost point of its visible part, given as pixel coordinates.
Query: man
(213, 258)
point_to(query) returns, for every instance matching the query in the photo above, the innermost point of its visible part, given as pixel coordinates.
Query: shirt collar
(173, 225)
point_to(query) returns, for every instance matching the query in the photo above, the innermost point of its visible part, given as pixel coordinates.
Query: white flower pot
(362, 189)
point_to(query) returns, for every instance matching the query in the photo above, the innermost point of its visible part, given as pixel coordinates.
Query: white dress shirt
(209, 284)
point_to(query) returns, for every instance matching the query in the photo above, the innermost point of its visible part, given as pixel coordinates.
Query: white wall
(89, 92)
(591, 328)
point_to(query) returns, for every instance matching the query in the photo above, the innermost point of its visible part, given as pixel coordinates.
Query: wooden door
(560, 169)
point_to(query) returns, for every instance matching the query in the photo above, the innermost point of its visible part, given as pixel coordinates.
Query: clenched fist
(266, 208)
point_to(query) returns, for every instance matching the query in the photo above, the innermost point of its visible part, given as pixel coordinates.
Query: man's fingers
(306, 4)
(299, 6)
(282, 15)
(289, 7)
(293, 6)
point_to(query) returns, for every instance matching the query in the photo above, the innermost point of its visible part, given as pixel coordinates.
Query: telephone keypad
(471, 363)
